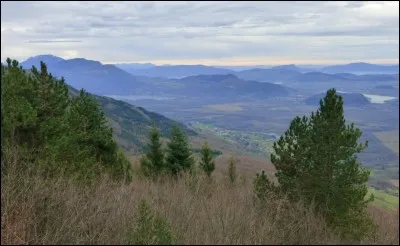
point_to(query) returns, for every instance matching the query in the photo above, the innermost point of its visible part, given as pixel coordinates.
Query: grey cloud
(354, 33)
(209, 30)
(53, 41)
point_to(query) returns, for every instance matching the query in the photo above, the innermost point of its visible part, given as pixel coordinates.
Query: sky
(209, 33)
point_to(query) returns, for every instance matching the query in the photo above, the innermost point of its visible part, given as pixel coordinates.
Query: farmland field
(390, 139)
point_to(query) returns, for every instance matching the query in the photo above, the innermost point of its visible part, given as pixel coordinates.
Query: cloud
(202, 31)
(53, 41)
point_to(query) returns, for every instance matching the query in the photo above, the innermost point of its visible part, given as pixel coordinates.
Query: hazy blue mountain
(227, 86)
(241, 68)
(133, 67)
(90, 75)
(102, 79)
(350, 99)
(290, 67)
(289, 74)
(214, 87)
(268, 75)
(361, 68)
(180, 71)
(48, 59)
(109, 80)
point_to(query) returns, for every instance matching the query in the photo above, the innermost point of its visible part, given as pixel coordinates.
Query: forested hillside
(131, 124)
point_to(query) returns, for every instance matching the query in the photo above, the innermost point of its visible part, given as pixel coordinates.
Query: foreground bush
(59, 211)
(150, 229)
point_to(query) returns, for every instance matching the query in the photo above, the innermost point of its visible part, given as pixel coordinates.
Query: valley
(239, 116)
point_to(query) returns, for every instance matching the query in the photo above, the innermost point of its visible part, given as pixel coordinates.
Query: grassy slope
(384, 200)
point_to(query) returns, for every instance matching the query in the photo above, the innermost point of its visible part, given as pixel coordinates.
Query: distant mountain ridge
(227, 86)
(190, 80)
(88, 74)
(133, 67)
(180, 71)
(361, 67)
(109, 80)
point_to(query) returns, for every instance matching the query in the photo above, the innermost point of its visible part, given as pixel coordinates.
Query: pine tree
(55, 132)
(52, 101)
(91, 138)
(262, 187)
(179, 156)
(316, 160)
(151, 229)
(207, 162)
(232, 170)
(153, 162)
(18, 100)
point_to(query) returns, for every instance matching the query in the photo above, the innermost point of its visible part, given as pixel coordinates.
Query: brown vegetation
(59, 211)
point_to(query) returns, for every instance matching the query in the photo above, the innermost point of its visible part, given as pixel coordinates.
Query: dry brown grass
(59, 211)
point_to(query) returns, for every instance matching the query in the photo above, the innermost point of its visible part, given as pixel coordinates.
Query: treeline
(176, 158)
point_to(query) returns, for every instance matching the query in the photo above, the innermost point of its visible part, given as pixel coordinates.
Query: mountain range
(91, 75)
(175, 71)
(198, 81)
(361, 68)
(179, 71)
(103, 79)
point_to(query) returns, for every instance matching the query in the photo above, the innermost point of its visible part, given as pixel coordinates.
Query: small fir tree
(207, 163)
(179, 156)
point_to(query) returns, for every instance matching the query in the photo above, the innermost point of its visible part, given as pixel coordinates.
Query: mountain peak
(291, 67)
(214, 77)
(35, 60)
(359, 63)
(83, 60)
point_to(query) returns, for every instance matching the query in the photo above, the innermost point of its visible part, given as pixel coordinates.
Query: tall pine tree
(316, 160)
(153, 163)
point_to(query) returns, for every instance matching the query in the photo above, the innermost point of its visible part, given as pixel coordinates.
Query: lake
(375, 98)
(378, 98)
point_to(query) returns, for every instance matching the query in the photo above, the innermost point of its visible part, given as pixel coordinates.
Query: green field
(384, 200)
(253, 142)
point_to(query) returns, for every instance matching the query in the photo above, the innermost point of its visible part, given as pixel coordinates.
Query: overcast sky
(211, 33)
